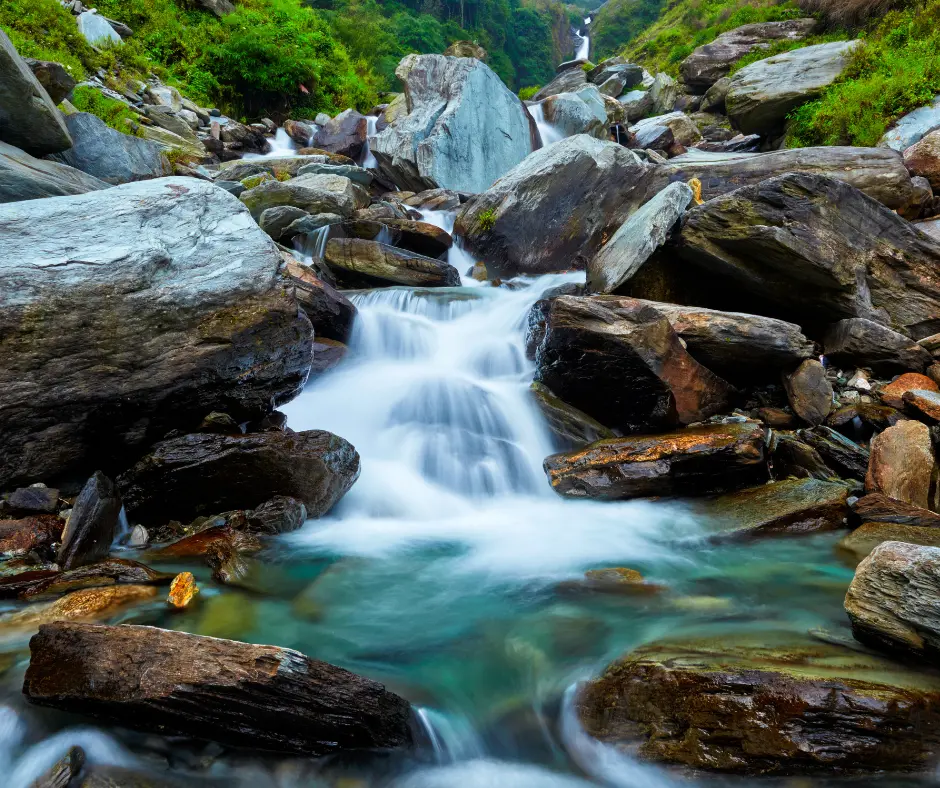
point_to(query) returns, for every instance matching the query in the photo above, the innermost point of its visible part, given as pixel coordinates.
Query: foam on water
(282, 147)
(547, 132)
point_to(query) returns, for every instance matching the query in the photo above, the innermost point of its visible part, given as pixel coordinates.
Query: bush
(526, 94)
(44, 30)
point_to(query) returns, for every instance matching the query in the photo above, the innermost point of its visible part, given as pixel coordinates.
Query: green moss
(487, 219)
(116, 114)
(526, 94)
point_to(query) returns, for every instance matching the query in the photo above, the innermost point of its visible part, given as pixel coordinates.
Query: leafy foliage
(44, 30)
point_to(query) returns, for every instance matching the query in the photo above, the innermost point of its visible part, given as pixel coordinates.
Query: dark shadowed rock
(63, 771)
(33, 500)
(54, 77)
(121, 324)
(571, 427)
(844, 456)
(259, 697)
(879, 508)
(857, 342)
(345, 134)
(330, 312)
(693, 461)
(418, 237)
(359, 263)
(624, 365)
(327, 353)
(280, 515)
(861, 259)
(809, 392)
(764, 703)
(864, 539)
(92, 524)
(111, 571)
(23, 177)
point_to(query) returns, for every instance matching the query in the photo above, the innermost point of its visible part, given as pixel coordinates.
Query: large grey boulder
(133, 311)
(819, 249)
(96, 29)
(109, 155)
(28, 118)
(762, 94)
(878, 172)
(912, 127)
(568, 80)
(312, 193)
(710, 62)
(23, 177)
(683, 128)
(464, 127)
(637, 238)
(554, 210)
(582, 112)
(637, 104)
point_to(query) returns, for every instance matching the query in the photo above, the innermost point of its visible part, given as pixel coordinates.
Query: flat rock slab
(879, 508)
(258, 697)
(860, 543)
(766, 703)
(926, 403)
(893, 394)
(312, 193)
(356, 262)
(857, 342)
(694, 461)
(23, 177)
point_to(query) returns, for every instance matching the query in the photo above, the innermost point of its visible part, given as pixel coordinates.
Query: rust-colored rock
(89, 604)
(201, 544)
(616, 580)
(902, 464)
(182, 590)
(809, 392)
(18, 537)
(694, 461)
(878, 508)
(926, 403)
(172, 683)
(923, 158)
(893, 393)
(111, 571)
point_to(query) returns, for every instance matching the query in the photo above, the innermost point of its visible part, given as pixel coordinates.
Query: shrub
(45, 30)
(487, 219)
(526, 94)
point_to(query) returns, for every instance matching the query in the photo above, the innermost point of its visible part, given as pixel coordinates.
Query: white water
(584, 50)
(367, 160)
(282, 147)
(547, 131)
(457, 256)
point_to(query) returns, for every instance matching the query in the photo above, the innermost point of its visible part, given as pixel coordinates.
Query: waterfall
(584, 49)
(367, 160)
(313, 245)
(457, 256)
(547, 132)
(282, 146)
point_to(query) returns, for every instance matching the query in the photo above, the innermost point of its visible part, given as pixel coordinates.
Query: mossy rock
(256, 180)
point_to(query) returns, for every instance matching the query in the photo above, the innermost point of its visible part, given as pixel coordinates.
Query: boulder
(631, 74)
(893, 394)
(28, 118)
(280, 515)
(33, 500)
(878, 508)
(280, 168)
(924, 402)
(664, 93)
(107, 154)
(39, 532)
(204, 473)
(912, 127)
(173, 143)
(92, 525)
(637, 104)
(345, 134)
(877, 172)
(567, 80)
(582, 112)
(164, 95)
(684, 131)
(465, 49)
(774, 238)
(301, 131)
(275, 221)
(571, 428)
(312, 193)
(762, 94)
(330, 312)
(902, 464)
(54, 78)
(355, 174)
(218, 7)
(419, 237)
(923, 158)
(783, 508)
(715, 96)
(892, 600)
(809, 391)
(111, 571)
(24, 178)
(637, 238)
(97, 29)
(258, 697)
(167, 119)
(624, 365)
(857, 342)
(554, 211)
(710, 62)
(864, 539)
(464, 127)
(359, 263)
(120, 324)
(764, 703)
(434, 200)
(847, 458)
(652, 136)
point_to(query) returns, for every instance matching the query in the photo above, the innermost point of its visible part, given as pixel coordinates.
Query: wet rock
(274, 221)
(29, 119)
(893, 394)
(776, 417)
(879, 508)
(926, 403)
(142, 330)
(221, 423)
(618, 581)
(280, 515)
(33, 500)
(694, 461)
(183, 589)
(783, 508)
(554, 211)
(792, 457)
(345, 134)
(418, 237)
(19, 537)
(571, 427)
(637, 238)
(327, 353)
(111, 571)
(63, 771)
(809, 392)
(464, 127)
(860, 342)
(92, 525)
(216, 540)
(844, 456)
(707, 704)
(54, 78)
(434, 200)
(312, 193)
(300, 131)
(860, 543)
(877, 172)
(892, 600)
(624, 366)
(710, 62)
(203, 474)
(259, 697)
(359, 263)
(652, 136)
(902, 464)
(581, 112)
(89, 604)
(762, 94)
(330, 312)
(24, 178)
(773, 238)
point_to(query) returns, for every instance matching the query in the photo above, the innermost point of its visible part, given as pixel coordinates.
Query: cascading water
(584, 48)
(547, 132)
(282, 146)
(367, 159)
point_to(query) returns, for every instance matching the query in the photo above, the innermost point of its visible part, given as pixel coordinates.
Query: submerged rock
(693, 461)
(860, 543)
(89, 604)
(204, 473)
(259, 697)
(111, 571)
(359, 263)
(769, 703)
(92, 525)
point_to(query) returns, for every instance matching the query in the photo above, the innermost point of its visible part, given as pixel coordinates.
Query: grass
(44, 30)
(487, 219)
(114, 113)
(527, 93)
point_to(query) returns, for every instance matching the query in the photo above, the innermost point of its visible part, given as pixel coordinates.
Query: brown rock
(880, 508)
(933, 372)
(327, 353)
(693, 461)
(260, 697)
(877, 417)
(345, 134)
(418, 237)
(924, 402)
(857, 342)
(111, 571)
(280, 515)
(330, 312)
(893, 393)
(207, 542)
(182, 590)
(618, 580)
(923, 158)
(92, 524)
(809, 392)
(868, 536)
(776, 417)
(902, 464)
(359, 263)
(89, 604)
(18, 537)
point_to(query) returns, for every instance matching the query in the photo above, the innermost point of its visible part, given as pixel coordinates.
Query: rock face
(864, 343)
(345, 134)
(571, 427)
(260, 697)
(773, 238)
(637, 238)
(624, 365)
(868, 536)
(24, 178)
(201, 474)
(92, 525)
(553, 211)
(464, 127)
(109, 155)
(762, 94)
(710, 62)
(876, 171)
(359, 263)
(53, 76)
(764, 704)
(902, 464)
(120, 324)
(694, 461)
(28, 118)
(891, 601)
(912, 127)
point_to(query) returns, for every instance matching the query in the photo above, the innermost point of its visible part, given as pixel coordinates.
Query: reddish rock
(330, 312)
(345, 134)
(18, 537)
(893, 393)
(924, 402)
(776, 417)
(902, 464)
(205, 542)
(878, 508)
(809, 392)
(923, 158)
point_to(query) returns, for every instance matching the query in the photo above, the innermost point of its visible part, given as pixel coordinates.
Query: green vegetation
(619, 22)
(44, 30)
(527, 93)
(112, 112)
(487, 219)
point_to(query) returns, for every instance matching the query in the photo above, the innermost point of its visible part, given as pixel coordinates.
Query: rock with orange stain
(18, 537)
(694, 461)
(926, 403)
(89, 604)
(893, 393)
(902, 464)
(182, 590)
(204, 543)
(809, 392)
